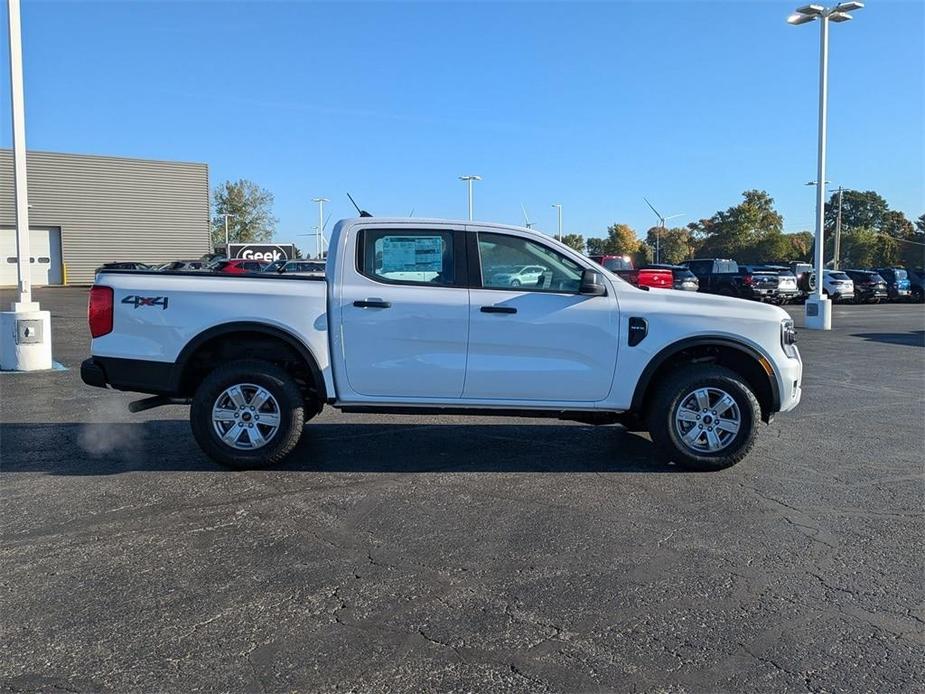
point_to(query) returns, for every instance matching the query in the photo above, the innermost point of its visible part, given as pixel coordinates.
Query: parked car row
(221, 264)
(783, 284)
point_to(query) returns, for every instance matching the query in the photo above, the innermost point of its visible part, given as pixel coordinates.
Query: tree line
(872, 235)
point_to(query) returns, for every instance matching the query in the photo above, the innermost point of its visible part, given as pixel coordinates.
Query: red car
(621, 265)
(236, 266)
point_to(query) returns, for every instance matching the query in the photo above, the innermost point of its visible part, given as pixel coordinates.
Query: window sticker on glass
(410, 258)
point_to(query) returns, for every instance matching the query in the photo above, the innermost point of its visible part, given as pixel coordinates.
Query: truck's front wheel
(704, 417)
(247, 413)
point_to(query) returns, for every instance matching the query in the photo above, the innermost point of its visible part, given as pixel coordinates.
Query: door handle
(498, 309)
(372, 304)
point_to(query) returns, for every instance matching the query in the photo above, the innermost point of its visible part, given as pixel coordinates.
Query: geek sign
(264, 252)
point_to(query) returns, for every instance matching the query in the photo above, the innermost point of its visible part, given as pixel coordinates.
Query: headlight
(788, 338)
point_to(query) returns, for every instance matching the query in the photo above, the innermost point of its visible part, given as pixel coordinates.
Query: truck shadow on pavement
(168, 446)
(913, 338)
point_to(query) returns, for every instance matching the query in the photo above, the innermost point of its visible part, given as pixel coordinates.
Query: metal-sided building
(86, 210)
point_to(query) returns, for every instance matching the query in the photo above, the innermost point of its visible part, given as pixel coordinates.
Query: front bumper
(791, 382)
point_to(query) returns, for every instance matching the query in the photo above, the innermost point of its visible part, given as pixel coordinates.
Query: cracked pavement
(422, 554)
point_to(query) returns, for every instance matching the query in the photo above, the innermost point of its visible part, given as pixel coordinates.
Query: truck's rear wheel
(704, 417)
(247, 413)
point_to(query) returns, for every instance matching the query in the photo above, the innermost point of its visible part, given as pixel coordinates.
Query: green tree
(250, 211)
(744, 231)
(920, 224)
(643, 255)
(860, 209)
(576, 241)
(675, 245)
(621, 240)
(865, 247)
(800, 246)
(596, 246)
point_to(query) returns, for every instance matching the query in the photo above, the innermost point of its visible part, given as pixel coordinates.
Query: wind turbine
(661, 225)
(527, 222)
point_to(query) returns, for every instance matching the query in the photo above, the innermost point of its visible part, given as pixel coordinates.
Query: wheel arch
(185, 361)
(740, 357)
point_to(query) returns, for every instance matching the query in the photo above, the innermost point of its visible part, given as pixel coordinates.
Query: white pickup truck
(422, 316)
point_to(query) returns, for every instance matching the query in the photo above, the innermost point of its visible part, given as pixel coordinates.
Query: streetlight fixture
(319, 239)
(818, 307)
(26, 329)
(558, 206)
(469, 180)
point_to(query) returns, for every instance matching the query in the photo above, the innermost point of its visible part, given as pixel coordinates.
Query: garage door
(45, 261)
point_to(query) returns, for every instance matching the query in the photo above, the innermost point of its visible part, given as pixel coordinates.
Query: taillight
(748, 279)
(99, 311)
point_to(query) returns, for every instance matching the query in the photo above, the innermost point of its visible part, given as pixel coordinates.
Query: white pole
(820, 173)
(469, 181)
(658, 240)
(26, 330)
(226, 233)
(23, 252)
(320, 225)
(559, 237)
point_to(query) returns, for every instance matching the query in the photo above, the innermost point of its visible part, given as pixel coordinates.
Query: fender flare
(252, 327)
(674, 348)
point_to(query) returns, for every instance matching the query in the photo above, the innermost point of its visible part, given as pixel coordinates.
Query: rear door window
(418, 257)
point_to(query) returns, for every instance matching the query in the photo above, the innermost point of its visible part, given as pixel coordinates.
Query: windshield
(901, 274)
(617, 264)
(838, 276)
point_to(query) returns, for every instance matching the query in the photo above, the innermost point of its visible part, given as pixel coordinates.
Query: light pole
(319, 239)
(26, 330)
(812, 183)
(558, 207)
(818, 307)
(469, 180)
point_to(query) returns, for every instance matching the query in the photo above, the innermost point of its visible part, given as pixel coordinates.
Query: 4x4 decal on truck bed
(138, 301)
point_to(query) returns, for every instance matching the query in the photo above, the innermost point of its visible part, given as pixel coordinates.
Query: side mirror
(592, 283)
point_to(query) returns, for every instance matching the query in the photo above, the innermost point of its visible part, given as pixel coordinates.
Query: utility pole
(558, 206)
(26, 330)
(837, 265)
(319, 239)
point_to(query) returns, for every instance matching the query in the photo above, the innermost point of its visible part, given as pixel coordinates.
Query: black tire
(515, 283)
(918, 295)
(671, 394)
(291, 411)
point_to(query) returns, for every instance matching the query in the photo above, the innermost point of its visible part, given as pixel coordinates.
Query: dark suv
(728, 278)
(917, 282)
(897, 282)
(869, 287)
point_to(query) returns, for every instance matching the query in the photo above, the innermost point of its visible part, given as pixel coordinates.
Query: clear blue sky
(592, 105)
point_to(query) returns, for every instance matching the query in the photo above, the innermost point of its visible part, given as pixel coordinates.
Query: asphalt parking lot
(469, 554)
